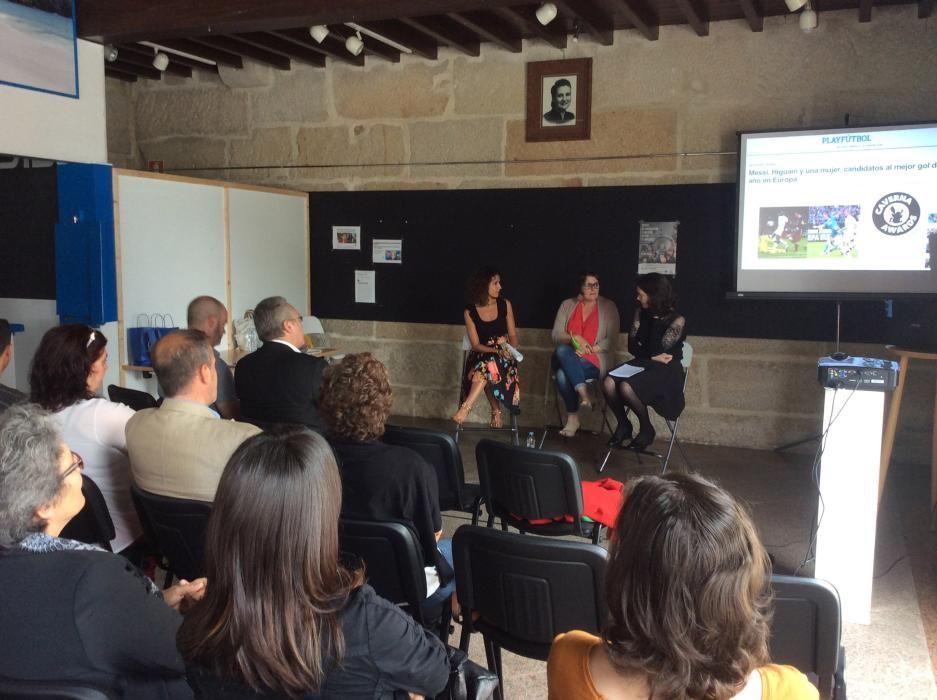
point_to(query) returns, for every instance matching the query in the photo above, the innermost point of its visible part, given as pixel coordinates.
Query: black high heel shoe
(622, 433)
(642, 441)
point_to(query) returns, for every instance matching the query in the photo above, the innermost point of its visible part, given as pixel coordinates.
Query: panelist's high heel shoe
(462, 413)
(642, 440)
(622, 433)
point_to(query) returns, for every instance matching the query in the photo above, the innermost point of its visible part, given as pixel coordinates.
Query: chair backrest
(392, 558)
(687, 356)
(137, 400)
(93, 524)
(466, 343)
(529, 589)
(179, 528)
(805, 629)
(51, 690)
(528, 484)
(442, 454)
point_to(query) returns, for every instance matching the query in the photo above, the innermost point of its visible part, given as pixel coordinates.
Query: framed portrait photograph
(559, 100)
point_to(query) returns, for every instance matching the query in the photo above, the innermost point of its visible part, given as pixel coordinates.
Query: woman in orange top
(688, 591)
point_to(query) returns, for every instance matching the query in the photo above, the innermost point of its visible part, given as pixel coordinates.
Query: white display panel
(838, 211)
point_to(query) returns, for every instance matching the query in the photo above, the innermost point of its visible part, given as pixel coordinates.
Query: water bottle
(531, 440)
(251, 340)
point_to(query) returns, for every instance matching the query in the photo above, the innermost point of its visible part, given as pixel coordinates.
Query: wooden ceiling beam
(865, 10)
(523, 18)
(108, 21)
(245, 50)
(697, 15)
(210, 53)
(141, 58)
(446, 32)
(372, 46)
(118, 74)
(277, 44)
(490, 28)
(925, 8)
(639, 15)
(125, 66)
(592, 20)
(333, 47)
(754, 13)
(400, 33)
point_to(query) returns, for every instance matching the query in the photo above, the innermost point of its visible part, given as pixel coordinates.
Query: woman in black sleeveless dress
(490, 368)
(656, 342)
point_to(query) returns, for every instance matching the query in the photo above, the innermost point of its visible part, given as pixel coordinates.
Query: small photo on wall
(346, 238)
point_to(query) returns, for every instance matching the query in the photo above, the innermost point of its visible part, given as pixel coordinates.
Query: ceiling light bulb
(319, 32)
(354, 44)
(808, 19)
(110, 53)
(546, 13)
(794, 5)
(160, 61)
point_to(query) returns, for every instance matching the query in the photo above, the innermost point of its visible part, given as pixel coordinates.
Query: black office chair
(442, 453)
(137, 400)
(178, 526)
(393, 560)
(93, 524)
(521, 484)
(526, 590)
(511, 427)
(52, 690)
(805, 632)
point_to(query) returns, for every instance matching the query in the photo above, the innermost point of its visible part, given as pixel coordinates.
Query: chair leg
(491, 519)
(492, 657)
(476, 509)
(605, 460)
(504, 525)
(465, 638)
(673, 438)
(515, 433)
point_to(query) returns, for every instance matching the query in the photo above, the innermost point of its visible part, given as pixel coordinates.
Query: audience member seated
(71, 611)
(688, 589)
(282, 616)
(584, 331)
(210, 316)
(8, 395)
(279, 383)
(381, 481)
(180, 448)
(66, 376)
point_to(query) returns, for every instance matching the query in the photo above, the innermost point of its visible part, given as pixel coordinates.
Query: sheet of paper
(386, 250)
(625, 371)
(364, 287)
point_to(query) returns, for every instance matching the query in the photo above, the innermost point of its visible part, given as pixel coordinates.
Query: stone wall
(663, 112)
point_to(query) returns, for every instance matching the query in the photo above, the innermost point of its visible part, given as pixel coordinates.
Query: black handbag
(467, 679)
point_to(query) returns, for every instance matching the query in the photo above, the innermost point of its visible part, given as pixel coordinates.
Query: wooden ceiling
(199, 35)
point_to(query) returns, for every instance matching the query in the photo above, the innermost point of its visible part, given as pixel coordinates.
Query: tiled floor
(885, 660)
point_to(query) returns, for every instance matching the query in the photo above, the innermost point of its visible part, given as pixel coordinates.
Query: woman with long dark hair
(66, 376)
(281, 616)
(688, 589)
(655, 339)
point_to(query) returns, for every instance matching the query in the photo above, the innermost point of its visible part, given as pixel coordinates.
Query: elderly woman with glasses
(584, 332)
(66, 377)
(71, 611)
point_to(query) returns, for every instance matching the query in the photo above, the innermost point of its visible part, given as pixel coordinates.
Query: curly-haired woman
(381, 481)
(688, 588)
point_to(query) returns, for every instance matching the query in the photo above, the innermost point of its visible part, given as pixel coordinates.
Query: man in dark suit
(279, 383)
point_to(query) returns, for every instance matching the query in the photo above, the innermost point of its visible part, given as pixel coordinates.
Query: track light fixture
(808, 18)
(546, 13)
(354, 44)
(110, 53)
(318, 32)
(794, 5)
(160, 61)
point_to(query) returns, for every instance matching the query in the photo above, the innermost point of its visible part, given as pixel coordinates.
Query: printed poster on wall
(38, 49)
(657, 247)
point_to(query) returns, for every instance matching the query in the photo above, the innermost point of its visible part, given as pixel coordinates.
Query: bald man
(209, 315)
(181, 448)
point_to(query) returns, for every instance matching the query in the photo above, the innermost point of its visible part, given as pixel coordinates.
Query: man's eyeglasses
(77, 463)
(591, 285)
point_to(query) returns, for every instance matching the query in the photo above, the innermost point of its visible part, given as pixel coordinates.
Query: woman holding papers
(655, 376)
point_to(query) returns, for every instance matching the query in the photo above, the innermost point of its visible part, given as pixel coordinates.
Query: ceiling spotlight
(354, 44)
(546, 13)
(794, 5)
(319, 32)
(808, 18)
(110, 53)
(160, 61)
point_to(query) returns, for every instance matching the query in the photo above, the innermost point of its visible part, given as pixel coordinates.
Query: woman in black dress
(656, 342)
(491, 368)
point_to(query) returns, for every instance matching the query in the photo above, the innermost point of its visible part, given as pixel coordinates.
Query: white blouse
(94, 428)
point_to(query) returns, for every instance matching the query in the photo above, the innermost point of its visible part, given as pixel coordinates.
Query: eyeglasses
(591, 285)
(77, 463)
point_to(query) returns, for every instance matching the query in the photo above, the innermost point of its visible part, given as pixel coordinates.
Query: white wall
(38, 315)
(42, 125)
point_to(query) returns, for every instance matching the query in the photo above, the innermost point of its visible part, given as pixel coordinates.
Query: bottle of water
(531, 439)
(251, 340)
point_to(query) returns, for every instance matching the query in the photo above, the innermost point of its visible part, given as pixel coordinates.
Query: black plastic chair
(52, 690)
(137, 400)
(805, 632)
(526, 590)
(178, 526)
(520, 484)
(393, 560)
(93, 524)
(442, 453)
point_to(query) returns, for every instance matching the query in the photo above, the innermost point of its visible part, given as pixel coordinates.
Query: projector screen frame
(735, 294)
